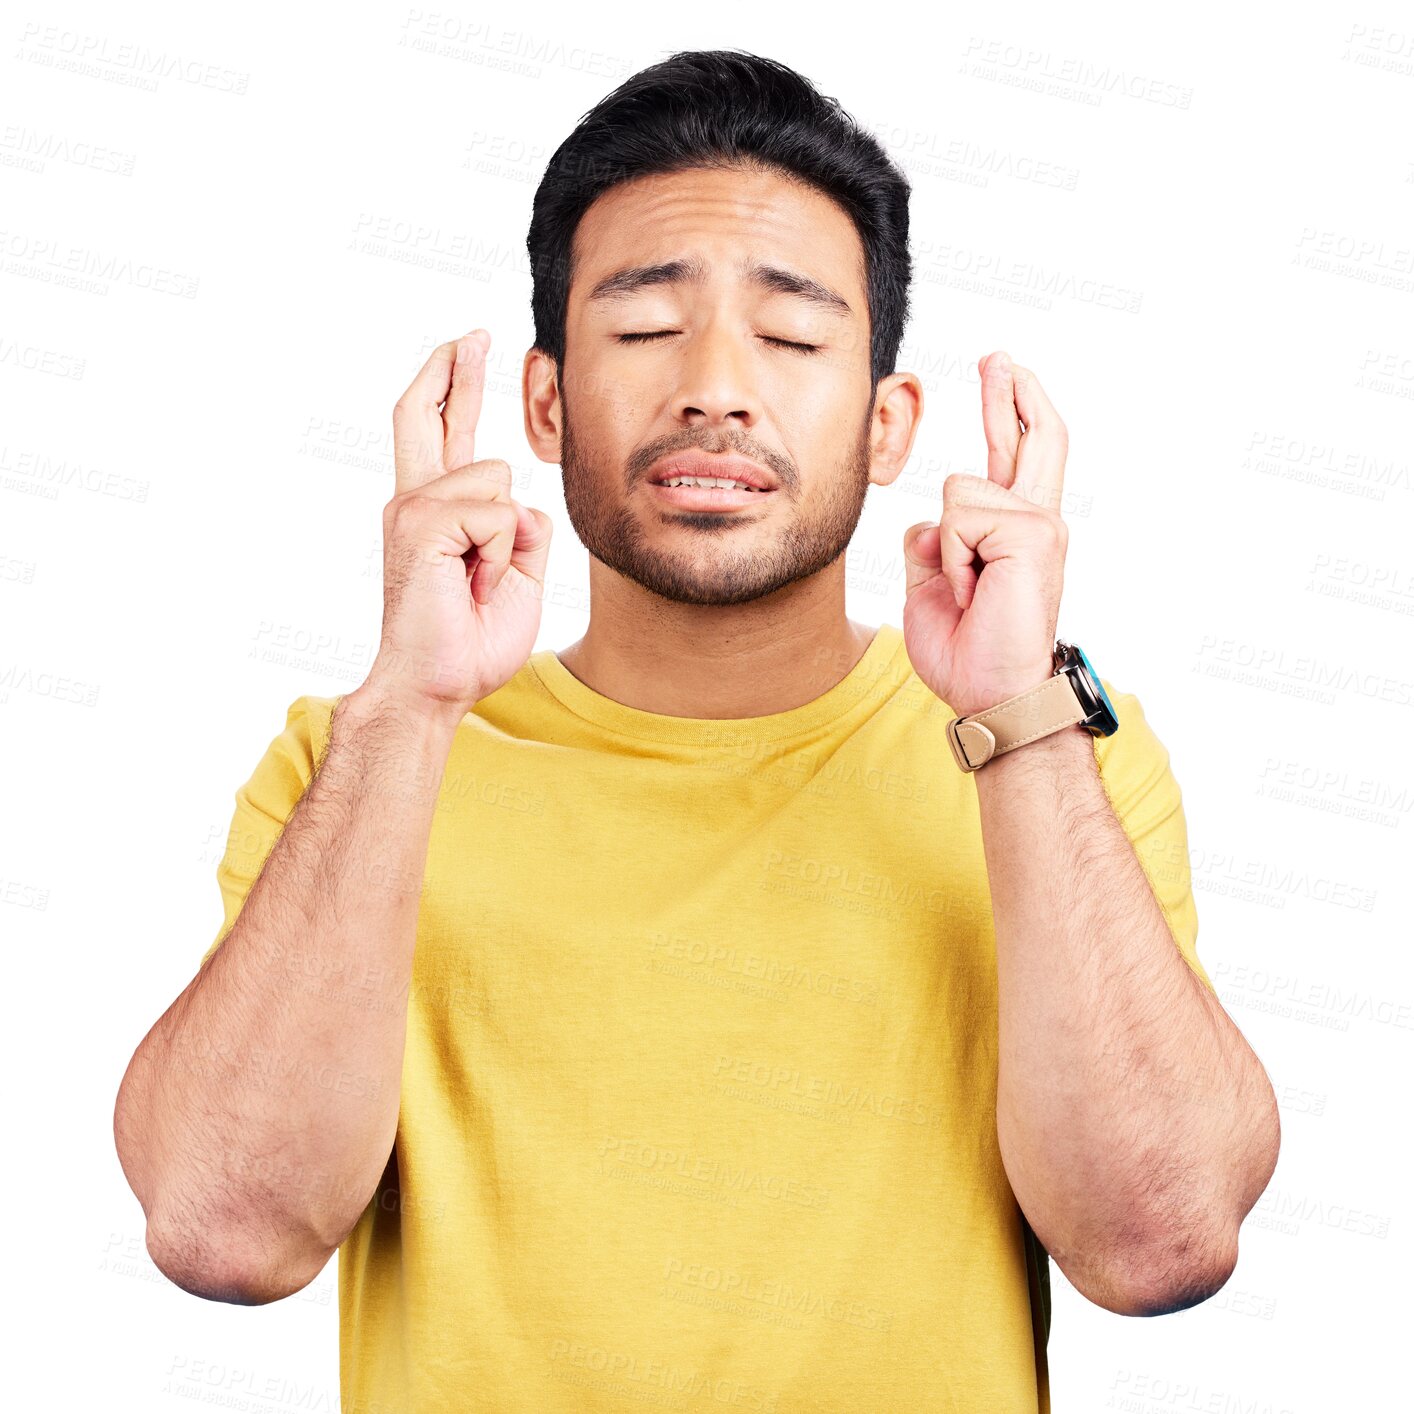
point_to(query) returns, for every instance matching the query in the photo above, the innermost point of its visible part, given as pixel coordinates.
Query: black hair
(722, 108)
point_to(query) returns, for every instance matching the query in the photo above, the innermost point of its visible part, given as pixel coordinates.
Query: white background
(195, 451)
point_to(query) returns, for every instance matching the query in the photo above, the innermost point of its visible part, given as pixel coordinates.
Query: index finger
(999, 420)
(417, 423)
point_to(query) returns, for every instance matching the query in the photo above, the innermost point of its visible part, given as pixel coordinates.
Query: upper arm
(264, 805)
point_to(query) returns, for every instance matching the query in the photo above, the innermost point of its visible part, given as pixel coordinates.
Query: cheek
(598, 391)
(820, 387)
(621, 401)
(817, 420)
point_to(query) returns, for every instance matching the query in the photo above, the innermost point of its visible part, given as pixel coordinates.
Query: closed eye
(668, 333)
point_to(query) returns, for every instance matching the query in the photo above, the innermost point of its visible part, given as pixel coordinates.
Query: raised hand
(984, 583)
(463, 563)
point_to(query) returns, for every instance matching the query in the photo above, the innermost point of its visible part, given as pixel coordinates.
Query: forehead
(720, 223)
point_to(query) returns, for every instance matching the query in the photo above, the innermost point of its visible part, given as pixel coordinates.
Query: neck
(703, 660)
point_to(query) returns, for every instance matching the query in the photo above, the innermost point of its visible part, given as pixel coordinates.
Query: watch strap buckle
(1029, 715)
(973, 745)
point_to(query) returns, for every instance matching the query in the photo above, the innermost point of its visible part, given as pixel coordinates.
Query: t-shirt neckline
(834, 703)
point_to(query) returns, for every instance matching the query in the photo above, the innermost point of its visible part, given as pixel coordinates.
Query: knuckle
(411, 504)
(962, 489)
(498, 521)
(490, 478)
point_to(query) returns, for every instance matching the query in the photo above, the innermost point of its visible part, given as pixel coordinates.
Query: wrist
(1003, 690)
(378, 700)
(1065, 750)
(1072, 695)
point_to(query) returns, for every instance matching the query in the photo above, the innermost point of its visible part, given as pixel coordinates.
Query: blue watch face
(1105, 720)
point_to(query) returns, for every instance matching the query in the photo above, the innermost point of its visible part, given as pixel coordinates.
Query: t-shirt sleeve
(1135, 770)
(265, 803)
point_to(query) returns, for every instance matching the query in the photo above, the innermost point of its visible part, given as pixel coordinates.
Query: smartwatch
(1072, 697)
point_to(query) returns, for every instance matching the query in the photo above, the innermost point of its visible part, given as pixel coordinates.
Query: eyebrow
(775, 278)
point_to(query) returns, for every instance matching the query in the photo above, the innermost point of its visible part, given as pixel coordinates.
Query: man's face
(718, 377)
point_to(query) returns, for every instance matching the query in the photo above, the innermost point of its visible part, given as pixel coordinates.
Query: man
(740, 1005)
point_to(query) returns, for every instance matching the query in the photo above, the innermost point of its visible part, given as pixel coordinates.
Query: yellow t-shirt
(699, 1096)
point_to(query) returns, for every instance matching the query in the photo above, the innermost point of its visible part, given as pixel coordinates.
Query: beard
(709, 568)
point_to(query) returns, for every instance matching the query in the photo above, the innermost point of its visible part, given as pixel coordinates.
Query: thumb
(922, 554)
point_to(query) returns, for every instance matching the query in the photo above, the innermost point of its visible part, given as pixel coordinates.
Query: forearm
(1136, 1125)
(258, 1114)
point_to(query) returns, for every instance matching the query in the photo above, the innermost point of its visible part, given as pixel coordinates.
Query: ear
(544, 412)
(898, 409)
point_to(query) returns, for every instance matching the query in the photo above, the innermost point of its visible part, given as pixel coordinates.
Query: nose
(715, 379)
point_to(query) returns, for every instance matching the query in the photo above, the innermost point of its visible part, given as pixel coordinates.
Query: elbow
(1159, 1280)
(222, 1265)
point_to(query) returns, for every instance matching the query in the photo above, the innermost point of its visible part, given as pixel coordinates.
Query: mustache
(714, 444)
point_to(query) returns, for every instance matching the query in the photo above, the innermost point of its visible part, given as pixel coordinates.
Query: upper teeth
(707, 481)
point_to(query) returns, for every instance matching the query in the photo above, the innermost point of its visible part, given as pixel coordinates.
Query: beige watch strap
(975, 740)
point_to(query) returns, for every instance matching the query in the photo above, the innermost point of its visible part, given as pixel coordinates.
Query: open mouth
(708, 493)
(716, 481)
